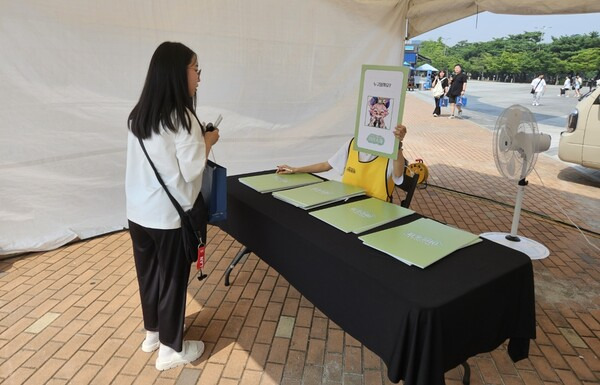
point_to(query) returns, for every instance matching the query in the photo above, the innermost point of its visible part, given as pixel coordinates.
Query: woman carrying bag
(164, 121)
(538, 86)
(439, 89)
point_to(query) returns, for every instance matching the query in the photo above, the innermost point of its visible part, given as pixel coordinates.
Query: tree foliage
(520, 57)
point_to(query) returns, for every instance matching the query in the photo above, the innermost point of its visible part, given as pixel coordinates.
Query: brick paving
(72, 315)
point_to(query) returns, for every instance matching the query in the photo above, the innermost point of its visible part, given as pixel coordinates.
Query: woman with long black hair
(442, 80)
(165, 120)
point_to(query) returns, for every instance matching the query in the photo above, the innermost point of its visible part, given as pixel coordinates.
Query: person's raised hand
(400, 132)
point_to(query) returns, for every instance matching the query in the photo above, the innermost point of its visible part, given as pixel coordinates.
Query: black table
(421, 322)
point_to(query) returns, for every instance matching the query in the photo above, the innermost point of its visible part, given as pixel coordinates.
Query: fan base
(533, 249)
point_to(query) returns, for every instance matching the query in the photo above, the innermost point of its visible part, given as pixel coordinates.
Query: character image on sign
(378, 111)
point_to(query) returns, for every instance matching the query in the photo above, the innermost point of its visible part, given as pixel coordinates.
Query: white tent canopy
(284, 74)
(426, 67)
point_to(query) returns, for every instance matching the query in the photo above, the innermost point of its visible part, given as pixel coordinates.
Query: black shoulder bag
(536, 86)
(193, 222)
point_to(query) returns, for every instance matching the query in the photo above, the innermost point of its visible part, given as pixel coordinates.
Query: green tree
(490, 63)
(436, 51)
(565, 47)
(585, 62)
(477, 66)
(520, 57)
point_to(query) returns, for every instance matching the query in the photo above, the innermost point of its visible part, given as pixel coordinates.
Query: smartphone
(218, 121)
(211, 126)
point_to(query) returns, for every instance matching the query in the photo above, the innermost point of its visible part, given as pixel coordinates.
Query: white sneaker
(459, 114)
(191, 351)
(151, 342)
(451, 117)
(435, 115)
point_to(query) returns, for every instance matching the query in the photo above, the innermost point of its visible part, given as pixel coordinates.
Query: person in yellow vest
(376, 174)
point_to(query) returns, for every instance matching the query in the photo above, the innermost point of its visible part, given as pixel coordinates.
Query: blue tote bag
(444, 101)
(214, 191)
(461, 101)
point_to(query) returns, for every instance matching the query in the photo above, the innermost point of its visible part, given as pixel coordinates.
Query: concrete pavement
(487, 100)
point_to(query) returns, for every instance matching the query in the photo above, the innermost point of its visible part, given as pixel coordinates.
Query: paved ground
(72, 315)
(487, 100)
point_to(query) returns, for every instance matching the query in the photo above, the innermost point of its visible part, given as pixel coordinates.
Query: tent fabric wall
(284, 75)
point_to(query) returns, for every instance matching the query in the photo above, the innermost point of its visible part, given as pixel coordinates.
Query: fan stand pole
(517, 215)
(531, 248)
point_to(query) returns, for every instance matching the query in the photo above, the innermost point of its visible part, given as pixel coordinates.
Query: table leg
(467, 375)
(244, 250)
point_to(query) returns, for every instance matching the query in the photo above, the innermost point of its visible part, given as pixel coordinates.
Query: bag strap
(173, 200)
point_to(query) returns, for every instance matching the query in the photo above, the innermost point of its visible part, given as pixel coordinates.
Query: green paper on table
(421, 242)
(363, 215)
(275, 182)
(318, 194)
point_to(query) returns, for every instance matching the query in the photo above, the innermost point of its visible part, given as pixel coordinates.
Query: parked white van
(581, 142)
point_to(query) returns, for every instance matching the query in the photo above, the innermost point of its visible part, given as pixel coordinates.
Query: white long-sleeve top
(180, 159)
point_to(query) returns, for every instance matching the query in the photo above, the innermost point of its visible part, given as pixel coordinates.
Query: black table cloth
(421, 322)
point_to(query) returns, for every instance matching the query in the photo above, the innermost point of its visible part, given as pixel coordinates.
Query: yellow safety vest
(372, 175)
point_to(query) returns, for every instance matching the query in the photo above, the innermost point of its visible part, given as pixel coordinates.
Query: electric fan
(516, 145)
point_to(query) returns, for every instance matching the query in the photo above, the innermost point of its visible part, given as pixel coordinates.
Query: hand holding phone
(211, 126)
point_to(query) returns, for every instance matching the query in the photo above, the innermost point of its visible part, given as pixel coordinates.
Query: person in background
(376, 174)
(565, 88)
(164, 118)
(578, 85)
(411, 83)
(458, 87)
(443, 80)
(538, 86)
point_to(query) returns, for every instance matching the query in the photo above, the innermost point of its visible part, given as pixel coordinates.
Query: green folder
(421, 242)
(318, 194)
(275, 182)
(363, 215)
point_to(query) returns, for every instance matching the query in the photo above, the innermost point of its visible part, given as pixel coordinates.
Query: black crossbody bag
(193, 221)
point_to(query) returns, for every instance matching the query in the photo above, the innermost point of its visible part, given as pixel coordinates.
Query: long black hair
(165, 96)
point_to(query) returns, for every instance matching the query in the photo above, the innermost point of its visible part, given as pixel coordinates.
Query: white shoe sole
(149, 348)
(192, 350)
